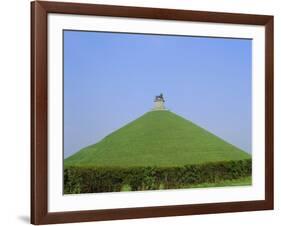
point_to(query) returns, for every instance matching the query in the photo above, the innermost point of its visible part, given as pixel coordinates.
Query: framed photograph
(149, 112)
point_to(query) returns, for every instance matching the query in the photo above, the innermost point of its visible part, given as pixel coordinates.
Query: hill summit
(157, 138)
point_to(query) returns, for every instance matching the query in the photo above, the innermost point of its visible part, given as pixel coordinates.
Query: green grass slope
(158, 138)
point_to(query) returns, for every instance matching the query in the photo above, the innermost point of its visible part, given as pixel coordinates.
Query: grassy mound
(157, 139)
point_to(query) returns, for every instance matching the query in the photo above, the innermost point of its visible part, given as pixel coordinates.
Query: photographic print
(152, 112)
(143, 112)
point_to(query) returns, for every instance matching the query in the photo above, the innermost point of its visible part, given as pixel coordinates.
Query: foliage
(113, 179)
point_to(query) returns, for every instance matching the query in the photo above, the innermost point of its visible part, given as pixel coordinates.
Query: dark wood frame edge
(39, 106)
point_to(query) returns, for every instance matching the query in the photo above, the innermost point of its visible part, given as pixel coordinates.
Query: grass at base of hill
(94, 180)
(244, 181)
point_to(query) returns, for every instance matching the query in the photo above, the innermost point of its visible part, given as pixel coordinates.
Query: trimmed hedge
(93, 180)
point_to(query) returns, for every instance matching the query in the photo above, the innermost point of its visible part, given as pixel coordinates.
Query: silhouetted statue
(159, 98)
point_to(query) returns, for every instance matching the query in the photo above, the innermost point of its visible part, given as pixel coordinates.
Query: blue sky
(110, 79)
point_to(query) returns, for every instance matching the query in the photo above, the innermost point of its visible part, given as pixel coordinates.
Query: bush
(112, 179)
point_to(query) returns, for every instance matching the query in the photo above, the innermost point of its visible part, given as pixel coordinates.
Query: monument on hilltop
(159, 103)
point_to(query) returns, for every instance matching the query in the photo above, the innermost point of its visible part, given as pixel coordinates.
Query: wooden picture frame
(39, 112)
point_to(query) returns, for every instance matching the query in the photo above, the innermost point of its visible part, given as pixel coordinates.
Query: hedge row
(92, 180)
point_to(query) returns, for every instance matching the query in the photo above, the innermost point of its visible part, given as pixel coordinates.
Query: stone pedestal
(158, 105)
